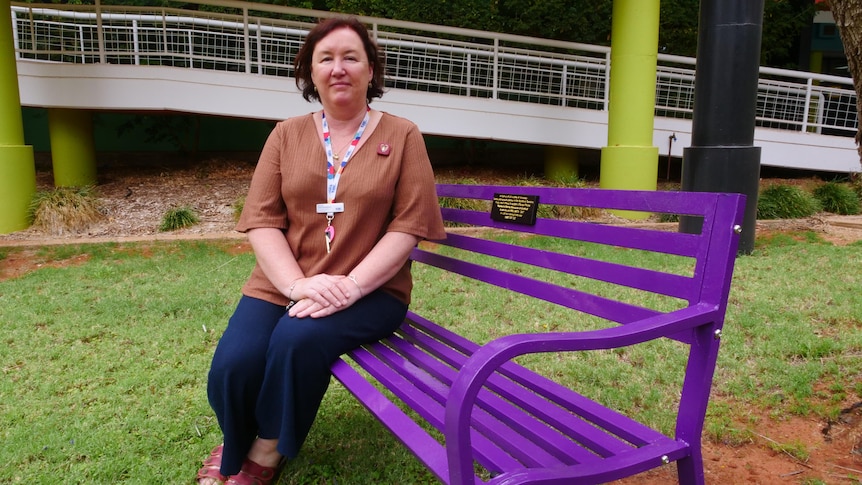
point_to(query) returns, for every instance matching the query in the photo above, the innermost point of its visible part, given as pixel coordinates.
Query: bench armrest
(492, 355)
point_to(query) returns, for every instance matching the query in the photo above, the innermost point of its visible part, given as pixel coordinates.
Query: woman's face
(340, 69)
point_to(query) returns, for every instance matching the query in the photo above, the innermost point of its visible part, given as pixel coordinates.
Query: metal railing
(263, 39)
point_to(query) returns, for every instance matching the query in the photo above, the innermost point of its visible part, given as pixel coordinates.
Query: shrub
(856, 184)
(786, 202)
(178, 218)
(554, 211)
(456, 203)
(663, 217)
(837, 198)
(468, 204)
(65, 209)
(572, 180)
(238, 206)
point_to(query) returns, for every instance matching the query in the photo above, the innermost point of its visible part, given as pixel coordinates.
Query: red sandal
(254, 474)
(212, 466)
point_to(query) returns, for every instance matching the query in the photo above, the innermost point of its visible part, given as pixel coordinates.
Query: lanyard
(333, 175)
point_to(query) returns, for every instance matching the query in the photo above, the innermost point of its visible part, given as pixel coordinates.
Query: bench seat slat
(488, 452)
(485, 423)
(428, 408)
(419, 329)
(559, 416)
(519, 433)
(430, 452)
(673, 285)
(600, 471)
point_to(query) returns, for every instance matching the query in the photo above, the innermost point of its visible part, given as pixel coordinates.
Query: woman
(337, 201)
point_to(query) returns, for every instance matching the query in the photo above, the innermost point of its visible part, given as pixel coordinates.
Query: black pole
(722, 157)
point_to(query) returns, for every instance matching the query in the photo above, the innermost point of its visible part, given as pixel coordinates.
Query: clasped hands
(322, 295)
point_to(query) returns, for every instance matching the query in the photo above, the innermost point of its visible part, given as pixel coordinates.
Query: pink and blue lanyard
(333, 175)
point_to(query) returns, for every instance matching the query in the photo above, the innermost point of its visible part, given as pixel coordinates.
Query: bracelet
(353, 279)
(290, 289)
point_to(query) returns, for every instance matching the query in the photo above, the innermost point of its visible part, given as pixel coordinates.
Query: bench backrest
(710, 254)
(700, 274)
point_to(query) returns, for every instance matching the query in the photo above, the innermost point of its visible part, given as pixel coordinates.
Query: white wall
(132, 88)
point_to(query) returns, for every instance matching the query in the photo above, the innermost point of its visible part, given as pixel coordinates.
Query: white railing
(263, 39)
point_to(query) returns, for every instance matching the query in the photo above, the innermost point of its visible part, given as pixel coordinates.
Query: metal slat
(539, 433)
(576, 416)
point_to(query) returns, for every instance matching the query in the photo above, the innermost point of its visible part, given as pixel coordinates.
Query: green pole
(561, 163)
(630, 161)
(17, 166)
(73, 152)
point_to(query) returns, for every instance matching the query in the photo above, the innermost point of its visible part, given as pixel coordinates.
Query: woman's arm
(275, 257)
(378, 267)
(384, 260)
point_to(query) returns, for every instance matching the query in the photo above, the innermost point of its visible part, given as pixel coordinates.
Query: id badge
(330, 208)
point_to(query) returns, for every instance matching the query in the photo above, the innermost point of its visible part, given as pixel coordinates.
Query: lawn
(106, 348)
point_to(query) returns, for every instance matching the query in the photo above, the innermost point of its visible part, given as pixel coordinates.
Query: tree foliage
(570, 20)
(589, 21)
(583, 21)
(677, 32)
(784, 22)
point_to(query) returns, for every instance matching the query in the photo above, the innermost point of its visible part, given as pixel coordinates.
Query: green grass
(104, 359)
(795, 325)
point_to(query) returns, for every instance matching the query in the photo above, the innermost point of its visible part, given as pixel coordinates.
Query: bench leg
(690, 470)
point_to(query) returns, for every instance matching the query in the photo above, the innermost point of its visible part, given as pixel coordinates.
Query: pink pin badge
(383, 149)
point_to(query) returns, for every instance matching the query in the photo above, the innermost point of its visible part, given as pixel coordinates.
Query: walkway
(451, 82)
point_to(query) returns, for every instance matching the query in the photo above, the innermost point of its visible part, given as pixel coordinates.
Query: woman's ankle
(265, 452)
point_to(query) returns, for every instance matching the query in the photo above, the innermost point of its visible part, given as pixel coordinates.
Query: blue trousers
(270, 371)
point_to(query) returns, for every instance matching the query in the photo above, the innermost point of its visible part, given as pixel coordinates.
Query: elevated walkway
(451, 82)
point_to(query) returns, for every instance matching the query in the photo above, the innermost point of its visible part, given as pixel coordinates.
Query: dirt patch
(21, 262)
(135, 196)
(838, 230)
(796, 450)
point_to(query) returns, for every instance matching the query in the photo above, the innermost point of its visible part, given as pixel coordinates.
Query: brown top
(382, 190)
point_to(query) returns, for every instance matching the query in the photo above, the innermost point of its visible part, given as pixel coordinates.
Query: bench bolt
(665, 459)
(737, 229)
(717, 334)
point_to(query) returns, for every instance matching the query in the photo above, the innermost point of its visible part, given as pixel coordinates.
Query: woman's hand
(322, 295)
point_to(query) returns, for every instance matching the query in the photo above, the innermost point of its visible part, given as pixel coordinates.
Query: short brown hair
(302, 62)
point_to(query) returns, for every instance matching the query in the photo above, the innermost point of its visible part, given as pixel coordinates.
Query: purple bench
(504, 424)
